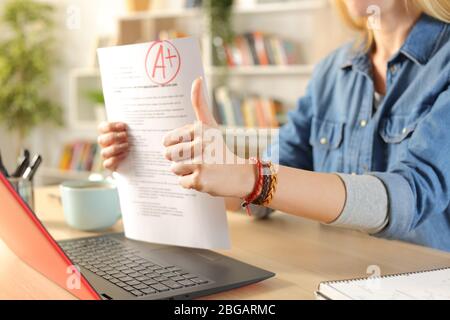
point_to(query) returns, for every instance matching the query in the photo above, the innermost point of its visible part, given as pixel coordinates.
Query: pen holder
(25, 189)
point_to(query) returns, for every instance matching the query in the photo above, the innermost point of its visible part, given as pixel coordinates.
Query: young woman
(367, 148)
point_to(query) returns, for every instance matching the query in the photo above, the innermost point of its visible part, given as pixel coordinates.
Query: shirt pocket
(395, 131)
(326, 140)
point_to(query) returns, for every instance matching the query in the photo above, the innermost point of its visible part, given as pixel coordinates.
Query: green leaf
(95, 96)
(26, 62)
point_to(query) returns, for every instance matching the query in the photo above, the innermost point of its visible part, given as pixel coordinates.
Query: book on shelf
(83, 156)
(259, 49)
(251, 111)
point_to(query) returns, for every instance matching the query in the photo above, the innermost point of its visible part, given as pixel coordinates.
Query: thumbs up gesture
(201, 158)
(201, 108)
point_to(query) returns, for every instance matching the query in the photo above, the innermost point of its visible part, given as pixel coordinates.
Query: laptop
(112, 267)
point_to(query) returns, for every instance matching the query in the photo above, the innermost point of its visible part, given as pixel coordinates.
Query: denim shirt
(405, 142)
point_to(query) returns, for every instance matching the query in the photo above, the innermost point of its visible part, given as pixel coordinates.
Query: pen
(31, 170)
(26, 154)
(24, 162)
(2, 168)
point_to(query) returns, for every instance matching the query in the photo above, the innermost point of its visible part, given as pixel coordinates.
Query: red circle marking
(146, 62)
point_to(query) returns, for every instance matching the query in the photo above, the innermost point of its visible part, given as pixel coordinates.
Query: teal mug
(89, 205)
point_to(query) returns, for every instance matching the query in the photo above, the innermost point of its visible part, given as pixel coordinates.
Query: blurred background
(258, 57)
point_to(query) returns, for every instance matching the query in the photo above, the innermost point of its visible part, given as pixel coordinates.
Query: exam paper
(148, 86)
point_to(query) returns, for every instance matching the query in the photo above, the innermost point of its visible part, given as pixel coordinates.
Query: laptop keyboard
(123, 267)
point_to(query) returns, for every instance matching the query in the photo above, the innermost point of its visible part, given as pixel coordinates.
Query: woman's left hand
(201, 158)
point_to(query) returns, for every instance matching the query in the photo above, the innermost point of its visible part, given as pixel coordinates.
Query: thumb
(202, 111)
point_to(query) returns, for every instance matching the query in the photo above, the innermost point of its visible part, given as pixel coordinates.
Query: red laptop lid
(25, 235)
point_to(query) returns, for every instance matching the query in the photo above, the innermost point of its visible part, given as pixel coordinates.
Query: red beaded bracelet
(257, 188)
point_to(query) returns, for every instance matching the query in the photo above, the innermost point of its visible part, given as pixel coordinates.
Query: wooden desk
(300, 252)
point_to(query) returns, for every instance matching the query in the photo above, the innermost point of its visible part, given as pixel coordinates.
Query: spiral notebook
(423, 285)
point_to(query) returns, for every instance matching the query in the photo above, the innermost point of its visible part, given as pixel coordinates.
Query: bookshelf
(265, 8)
(281, 7)
(307, 22)
(161, 14)
(57, 174)
(135, 27)
(300, 70)
(77, 160)
(285, 82)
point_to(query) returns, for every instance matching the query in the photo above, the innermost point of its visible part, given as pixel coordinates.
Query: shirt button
(323, 141)
(363, 123)
(393, 68)
(405, 130)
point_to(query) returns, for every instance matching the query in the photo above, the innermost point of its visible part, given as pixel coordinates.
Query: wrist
(247, 180)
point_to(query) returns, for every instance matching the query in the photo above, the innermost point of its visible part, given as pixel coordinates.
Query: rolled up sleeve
(366, 205)
(400, 200)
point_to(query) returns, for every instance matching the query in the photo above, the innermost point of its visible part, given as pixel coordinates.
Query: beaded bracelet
(273, 186)
(257, 189)
(265, 185)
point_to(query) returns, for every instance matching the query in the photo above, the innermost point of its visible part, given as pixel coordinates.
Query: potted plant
(97, 98)
(26, 61)
(219, 15)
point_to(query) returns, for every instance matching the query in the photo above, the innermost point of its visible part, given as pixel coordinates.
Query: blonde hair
(438, 9)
